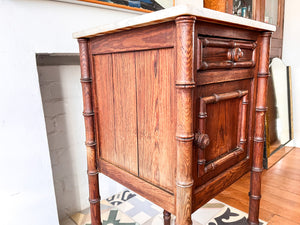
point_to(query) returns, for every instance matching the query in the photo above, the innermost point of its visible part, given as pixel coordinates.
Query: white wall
(62, 104)
(29, 27)
(291, 57)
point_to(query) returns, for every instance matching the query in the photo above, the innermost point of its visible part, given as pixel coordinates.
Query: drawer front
(221, 53)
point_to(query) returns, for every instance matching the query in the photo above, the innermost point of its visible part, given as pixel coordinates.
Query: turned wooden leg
(90, 143)
(167, 218)
(185, 84)
(257, 165)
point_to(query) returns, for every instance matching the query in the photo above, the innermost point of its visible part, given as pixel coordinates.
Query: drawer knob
(201, 140)
(235, 54)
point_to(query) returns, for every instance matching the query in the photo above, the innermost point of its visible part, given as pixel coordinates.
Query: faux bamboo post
(185, 26)
(86, 82)
(199, 137)
(262, 79)
(243, 138)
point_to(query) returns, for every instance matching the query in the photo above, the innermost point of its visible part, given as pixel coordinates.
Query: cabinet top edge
(170, 14)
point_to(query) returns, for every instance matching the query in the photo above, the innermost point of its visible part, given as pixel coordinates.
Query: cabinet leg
(167, 218)
(258, 147)
(88, 113)
(95, 213)
(185, 84)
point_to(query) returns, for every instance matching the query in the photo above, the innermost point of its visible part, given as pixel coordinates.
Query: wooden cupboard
(174, 109)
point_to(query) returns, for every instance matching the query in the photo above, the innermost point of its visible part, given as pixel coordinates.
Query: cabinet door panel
(223, 114)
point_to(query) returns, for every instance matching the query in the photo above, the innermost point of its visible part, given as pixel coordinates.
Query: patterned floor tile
(208, 211)
(84, 217)
(128, 208)
(231, 216)
(116, 217)
(140, 209)
(105, 205)
(157, 220)
(121, 197)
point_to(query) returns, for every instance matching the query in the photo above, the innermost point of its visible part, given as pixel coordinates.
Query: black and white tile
(128, 208)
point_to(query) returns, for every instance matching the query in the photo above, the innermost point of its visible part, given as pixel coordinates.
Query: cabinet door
(223, 116)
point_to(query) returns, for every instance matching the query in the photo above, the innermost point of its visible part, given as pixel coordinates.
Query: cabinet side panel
(104, 108)
(156, 119)
(116, 98)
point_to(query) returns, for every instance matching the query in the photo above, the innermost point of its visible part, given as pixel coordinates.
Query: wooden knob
(201, 140)
(235, 54)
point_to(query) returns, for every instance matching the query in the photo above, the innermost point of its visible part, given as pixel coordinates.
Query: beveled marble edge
(169, 14)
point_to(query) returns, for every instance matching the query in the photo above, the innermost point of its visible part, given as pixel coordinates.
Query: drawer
(221, 53)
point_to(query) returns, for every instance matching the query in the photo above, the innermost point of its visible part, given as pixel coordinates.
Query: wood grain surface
(117, 109)
(156, 116)
(280, 202)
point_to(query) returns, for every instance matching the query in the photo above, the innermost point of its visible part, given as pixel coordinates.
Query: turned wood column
(185, 26)
(257, 165)
(86, 82)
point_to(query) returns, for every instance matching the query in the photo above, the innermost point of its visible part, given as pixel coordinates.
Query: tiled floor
(128, 208)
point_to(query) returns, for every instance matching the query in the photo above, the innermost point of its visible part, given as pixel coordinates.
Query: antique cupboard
(174, 106)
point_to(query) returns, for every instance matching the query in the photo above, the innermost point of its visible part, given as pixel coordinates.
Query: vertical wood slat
(94, 196)
(185, 27)
(104, 106)
(125, 103)
(262, 79)
(156, 117)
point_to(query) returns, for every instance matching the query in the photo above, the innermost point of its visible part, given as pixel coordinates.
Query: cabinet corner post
(258, 147)
(185, 28)
(88, 113)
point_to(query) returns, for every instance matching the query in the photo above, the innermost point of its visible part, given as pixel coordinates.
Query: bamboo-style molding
(226, 65)
(233, 55)
(185, 27)
(202, 139)
(227, 44)
(230, 156)
(88, 113)
(257, 164)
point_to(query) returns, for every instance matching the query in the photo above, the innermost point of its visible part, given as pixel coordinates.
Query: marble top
(168, 15)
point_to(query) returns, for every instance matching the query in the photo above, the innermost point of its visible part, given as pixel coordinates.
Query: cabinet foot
(167, 218)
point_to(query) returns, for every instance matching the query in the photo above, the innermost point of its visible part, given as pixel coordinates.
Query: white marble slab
(169, 14)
